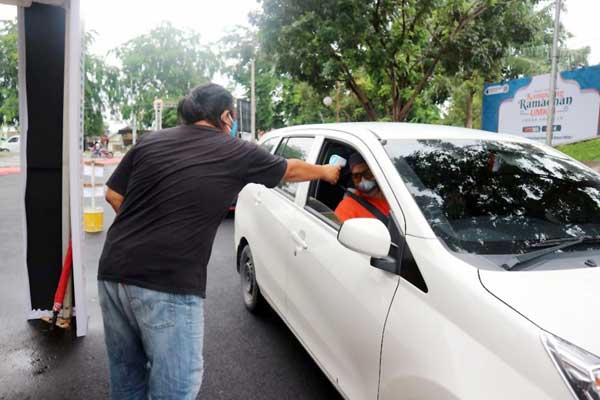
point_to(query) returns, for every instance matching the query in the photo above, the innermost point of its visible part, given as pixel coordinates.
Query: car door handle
(299, 239)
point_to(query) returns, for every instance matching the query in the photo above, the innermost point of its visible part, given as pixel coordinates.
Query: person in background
(170, 193)
(367, 199)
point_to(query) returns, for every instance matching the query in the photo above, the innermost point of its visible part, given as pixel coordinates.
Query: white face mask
(366, 185)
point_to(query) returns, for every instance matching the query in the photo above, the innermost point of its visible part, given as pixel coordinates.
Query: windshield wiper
(552, 242)
(521, 259)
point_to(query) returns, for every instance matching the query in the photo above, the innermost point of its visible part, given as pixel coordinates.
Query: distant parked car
(483, 284)
(13, 144)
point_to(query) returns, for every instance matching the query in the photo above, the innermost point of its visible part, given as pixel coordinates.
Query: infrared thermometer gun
(337, 161)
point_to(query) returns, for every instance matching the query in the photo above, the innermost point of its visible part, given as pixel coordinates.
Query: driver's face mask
(366, 185)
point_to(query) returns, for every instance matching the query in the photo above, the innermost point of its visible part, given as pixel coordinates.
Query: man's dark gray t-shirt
(178, 184)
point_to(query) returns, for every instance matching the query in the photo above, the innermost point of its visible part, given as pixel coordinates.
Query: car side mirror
(367, 236)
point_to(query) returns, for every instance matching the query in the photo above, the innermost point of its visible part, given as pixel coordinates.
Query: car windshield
(497, 197)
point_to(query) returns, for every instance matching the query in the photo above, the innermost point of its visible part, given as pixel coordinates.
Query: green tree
(518, 44)
(9, 98)
(163, 63)
(479, 52)
(397, 45)
(281, 99)
(239, 47)
(101, 86)
(534, 58)
(102, 91)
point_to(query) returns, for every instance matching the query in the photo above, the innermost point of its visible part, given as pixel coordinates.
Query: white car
(11, 144)
(484, 285)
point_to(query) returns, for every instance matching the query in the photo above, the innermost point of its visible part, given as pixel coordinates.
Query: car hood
(565, 303)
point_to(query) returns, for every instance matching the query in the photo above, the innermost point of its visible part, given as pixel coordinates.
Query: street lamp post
(327, 102)
(158, 106)
(253, 99)
(553, 76)
(337, 101)
(134, 130)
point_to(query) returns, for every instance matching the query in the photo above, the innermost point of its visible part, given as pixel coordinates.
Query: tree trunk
(360, 95)
(469, 109)
(371, 114)
(407, 106)
(396, 103)
(397, 115)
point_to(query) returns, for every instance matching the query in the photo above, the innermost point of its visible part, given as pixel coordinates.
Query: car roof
(404, 130)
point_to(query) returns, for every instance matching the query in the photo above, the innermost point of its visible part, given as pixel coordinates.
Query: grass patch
(582, 151)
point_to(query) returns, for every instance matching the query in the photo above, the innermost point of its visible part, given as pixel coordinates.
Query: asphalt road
(246, 357)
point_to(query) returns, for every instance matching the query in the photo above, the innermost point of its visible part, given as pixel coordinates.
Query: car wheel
(253, 300)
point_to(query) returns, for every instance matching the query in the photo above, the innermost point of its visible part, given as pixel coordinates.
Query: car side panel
(268, 216)
(337, 302)
(458, 341)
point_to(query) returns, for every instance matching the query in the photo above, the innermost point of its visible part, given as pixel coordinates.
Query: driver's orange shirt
(350, 208)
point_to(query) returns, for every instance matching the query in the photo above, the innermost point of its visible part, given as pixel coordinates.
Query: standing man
(170, 193)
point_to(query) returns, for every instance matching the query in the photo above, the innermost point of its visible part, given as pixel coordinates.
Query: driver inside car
(366, 199)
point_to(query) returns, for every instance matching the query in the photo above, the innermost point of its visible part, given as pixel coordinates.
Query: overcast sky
(117, 21)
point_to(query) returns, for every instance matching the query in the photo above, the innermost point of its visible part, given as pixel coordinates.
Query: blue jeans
(154, 342)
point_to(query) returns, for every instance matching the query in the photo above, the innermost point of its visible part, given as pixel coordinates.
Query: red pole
(59, 295)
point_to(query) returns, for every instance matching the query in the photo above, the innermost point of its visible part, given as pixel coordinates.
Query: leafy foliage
(239, 47)
(102, 90)
(397, 44)
(163, 63)
(280, 99)
(391, 60)
(511, 44)
(9, 99)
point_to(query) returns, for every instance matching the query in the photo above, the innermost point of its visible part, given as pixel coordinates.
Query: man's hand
(331, 173)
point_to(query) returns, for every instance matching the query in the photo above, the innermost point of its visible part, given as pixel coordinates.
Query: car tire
(251, 295)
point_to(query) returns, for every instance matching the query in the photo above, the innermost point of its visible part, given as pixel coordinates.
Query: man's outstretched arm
(300, 171)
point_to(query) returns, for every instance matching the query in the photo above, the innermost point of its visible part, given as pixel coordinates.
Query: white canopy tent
(50, 114)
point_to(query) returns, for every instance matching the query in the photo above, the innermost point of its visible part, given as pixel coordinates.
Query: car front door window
(269, 144)
(297, 148)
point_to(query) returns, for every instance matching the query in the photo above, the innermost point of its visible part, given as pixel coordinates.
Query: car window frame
(311, 158)
(303, 201)
(275, 139)
(361, 148)
(403, 254)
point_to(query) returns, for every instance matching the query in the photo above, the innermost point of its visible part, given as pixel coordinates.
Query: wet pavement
(246, 357)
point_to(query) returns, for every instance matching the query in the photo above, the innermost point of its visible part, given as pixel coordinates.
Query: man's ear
(225, 117)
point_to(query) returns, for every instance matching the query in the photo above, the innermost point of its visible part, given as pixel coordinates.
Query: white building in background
(115, 142)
